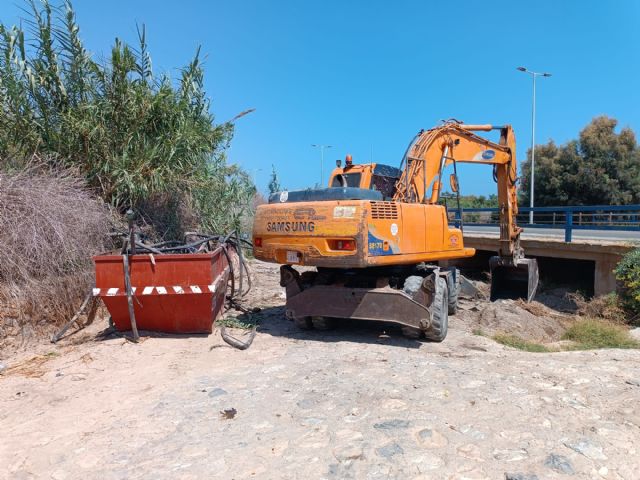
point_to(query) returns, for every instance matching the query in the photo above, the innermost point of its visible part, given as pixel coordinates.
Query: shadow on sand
(272, 321)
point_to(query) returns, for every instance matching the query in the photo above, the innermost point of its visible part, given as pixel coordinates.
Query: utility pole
(533, 134)
(321, 147)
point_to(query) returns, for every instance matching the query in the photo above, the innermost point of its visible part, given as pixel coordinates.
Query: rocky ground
(359, 402)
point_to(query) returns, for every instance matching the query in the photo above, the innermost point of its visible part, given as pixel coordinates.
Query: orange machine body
(407, 226)
(355, 234)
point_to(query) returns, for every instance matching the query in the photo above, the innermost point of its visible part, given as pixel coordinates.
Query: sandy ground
(357, 402)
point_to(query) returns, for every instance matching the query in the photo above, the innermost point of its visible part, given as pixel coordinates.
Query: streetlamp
(321, 147)
(533, 133)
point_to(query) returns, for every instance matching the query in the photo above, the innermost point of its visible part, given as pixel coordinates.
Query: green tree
(601, 167)
(274, 184)
(141, 140)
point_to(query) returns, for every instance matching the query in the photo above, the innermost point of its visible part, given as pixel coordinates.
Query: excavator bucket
(513, 281)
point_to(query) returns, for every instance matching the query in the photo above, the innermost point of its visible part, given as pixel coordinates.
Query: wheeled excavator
(375, 236)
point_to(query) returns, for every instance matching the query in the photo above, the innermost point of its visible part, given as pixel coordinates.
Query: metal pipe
(127, 286)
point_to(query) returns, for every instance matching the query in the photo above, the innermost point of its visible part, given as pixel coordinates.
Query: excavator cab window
(346, 180)
(384, 179)
(385, 185)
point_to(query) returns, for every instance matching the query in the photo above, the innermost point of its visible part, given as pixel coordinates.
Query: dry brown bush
(605, 307)
(50, 225)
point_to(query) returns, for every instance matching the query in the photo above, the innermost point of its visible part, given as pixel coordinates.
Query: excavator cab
(371, 176)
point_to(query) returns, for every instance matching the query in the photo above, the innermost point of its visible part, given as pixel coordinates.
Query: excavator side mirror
(453, 181)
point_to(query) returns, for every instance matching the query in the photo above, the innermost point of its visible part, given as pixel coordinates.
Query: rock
(347, 435)
(431, 438)
(392, 424)
(312, 421)
(510, 455)
(3, 367)
(472, 452)
(347, 452)
(635, 333)
(559, 463)
(472, 432)
(306, 403)
(394, 404)
(389, 450)
(468, 289)
(520, 476)
(216, 392)
(427, 461)
(59, 475)
(587, 448)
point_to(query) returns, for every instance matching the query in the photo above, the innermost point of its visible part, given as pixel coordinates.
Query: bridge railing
(592, 217)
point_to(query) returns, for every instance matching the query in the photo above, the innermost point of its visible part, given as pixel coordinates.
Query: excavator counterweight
(377, 233)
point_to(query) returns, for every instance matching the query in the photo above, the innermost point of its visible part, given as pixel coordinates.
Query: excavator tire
(303, 323)
(454, 281)
(437, 331)
(411, 285)
(323, 323)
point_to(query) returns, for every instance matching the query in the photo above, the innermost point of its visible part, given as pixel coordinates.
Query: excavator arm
(421, 182)
(437, 148)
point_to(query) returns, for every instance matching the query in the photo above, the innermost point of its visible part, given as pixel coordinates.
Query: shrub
(592, 333)
(50, 225)
(628, 274)
(138, 138)
(607, 307)
(514, 341)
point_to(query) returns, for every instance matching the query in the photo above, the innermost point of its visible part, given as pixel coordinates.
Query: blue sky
(365, 76)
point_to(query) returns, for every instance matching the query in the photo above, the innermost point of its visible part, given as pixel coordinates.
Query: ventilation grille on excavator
(384, 210)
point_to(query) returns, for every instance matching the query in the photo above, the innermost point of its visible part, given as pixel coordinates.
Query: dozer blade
(513, 281)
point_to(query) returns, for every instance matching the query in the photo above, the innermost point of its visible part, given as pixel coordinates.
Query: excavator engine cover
(519, 280)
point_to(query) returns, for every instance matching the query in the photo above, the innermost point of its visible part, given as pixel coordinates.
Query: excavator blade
(513, 281)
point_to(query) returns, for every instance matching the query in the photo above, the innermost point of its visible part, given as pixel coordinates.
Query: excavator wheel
(437, 331)
(454, 282)
(323, 323)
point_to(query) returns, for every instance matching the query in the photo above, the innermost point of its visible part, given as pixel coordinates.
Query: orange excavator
(376, 234)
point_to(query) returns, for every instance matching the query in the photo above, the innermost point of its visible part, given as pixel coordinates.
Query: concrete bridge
(590, 259)
(575, 245)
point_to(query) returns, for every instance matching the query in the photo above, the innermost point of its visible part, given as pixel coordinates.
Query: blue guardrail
(591, 217)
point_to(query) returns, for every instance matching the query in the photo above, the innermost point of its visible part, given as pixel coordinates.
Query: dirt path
(358, 402)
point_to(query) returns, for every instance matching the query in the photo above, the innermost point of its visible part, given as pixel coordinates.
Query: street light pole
(321, 147)
(533, 135)
(533, 149)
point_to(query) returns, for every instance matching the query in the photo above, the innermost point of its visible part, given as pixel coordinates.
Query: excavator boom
(454, 142)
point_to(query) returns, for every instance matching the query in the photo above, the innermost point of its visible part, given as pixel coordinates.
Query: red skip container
(174, 293)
